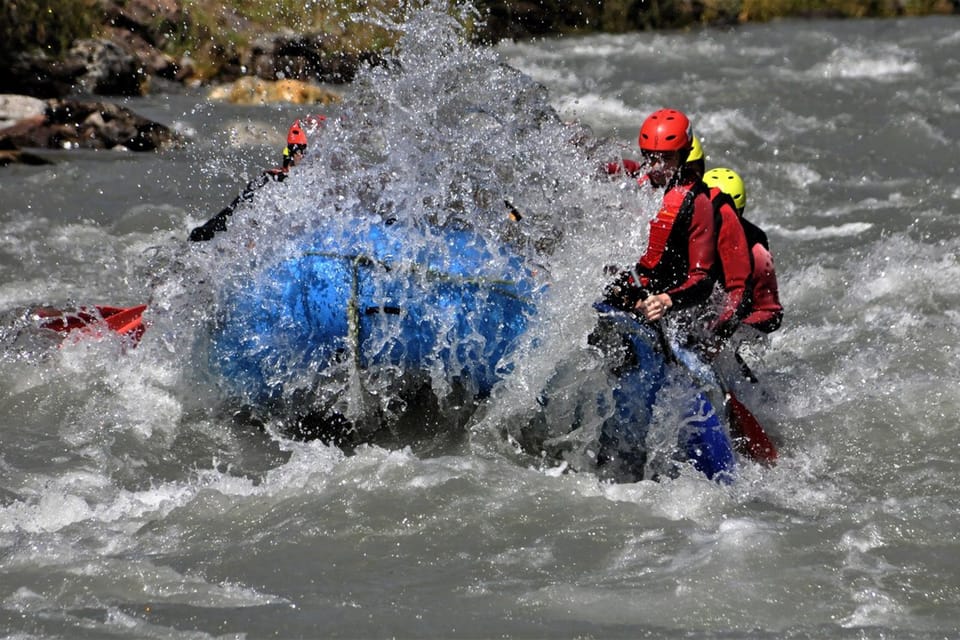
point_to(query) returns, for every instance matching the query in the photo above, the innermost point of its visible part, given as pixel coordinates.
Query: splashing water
(443, 137)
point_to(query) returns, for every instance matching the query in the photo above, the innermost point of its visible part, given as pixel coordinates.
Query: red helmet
(665, 130)
(296, 135)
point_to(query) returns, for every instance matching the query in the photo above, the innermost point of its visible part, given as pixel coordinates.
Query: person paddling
(734, 264)
(676, 271)
(765, 313)
(292, 154)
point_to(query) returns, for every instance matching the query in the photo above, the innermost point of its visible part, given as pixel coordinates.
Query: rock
(68, 124)
(143, 28)
(96, 66)
(109, 69)
(318, 57)
(14, 108)
(152, 21)
(9, 154)
(35, 74)
(21, 157)
(251, 91)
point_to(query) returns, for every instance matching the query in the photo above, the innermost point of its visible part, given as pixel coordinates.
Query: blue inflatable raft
(643, 373)
(445, 307)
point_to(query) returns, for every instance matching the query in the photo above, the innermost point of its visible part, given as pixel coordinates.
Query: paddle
(125, 321)
(750, 439)
(218, 222)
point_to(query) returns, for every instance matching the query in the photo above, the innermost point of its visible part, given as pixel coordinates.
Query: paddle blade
(747, 429)
(126, 322)
(90, 321)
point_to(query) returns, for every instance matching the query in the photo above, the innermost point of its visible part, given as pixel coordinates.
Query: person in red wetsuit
(292, 154)
(764, 313)
(734, 264)
(676, 270)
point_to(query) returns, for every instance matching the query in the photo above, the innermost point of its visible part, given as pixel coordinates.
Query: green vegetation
(48, 25)
(215, 33)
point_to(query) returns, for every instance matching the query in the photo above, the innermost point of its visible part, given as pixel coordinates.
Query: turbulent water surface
(135, 503)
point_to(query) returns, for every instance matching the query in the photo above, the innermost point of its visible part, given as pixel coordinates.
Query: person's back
(734, 265)
(765, 312)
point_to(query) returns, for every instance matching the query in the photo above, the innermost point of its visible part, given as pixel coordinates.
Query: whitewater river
(133, 505)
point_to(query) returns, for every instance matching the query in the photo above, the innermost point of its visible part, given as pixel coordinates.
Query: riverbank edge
(56, 48)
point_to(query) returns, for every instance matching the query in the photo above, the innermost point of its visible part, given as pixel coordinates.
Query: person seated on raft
(764, 311)
(676, 271)
(734, 265)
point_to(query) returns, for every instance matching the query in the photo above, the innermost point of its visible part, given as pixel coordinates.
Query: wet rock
(9, 154)
(143, 28)
(153, 21)
(251, 91)
(320, 57)
(35, 74)
(69, 124)
(15, 156)
(108, 69)
(14, 108)
(93, 66)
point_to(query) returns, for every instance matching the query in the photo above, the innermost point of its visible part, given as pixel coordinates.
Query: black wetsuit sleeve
(218, 223)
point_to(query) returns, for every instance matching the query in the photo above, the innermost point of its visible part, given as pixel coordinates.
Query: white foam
(53, 512)
(597, 109)
(885, 64)
(848, 230)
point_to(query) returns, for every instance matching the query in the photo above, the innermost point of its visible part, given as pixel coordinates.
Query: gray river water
(132, 506)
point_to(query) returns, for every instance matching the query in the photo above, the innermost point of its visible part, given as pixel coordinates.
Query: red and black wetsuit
(766, 312)
(734, 264)
(681, 251)
(218, 223)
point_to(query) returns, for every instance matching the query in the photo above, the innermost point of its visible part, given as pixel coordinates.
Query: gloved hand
(622, 293)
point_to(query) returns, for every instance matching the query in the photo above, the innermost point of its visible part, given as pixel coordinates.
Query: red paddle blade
(746, 428)
(126, 321)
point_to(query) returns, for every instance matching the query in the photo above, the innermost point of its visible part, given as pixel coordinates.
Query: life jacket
(755, 235)
(665, 263)
(719, 199)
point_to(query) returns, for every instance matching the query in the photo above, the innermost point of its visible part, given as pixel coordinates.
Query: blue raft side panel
(703, 437)
(383, 298)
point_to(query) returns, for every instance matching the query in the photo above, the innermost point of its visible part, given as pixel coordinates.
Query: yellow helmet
(696, 151)
(730, 183)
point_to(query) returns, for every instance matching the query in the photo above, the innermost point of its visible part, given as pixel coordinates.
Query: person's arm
(734, 256)
(766, 312)
(218, 222)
